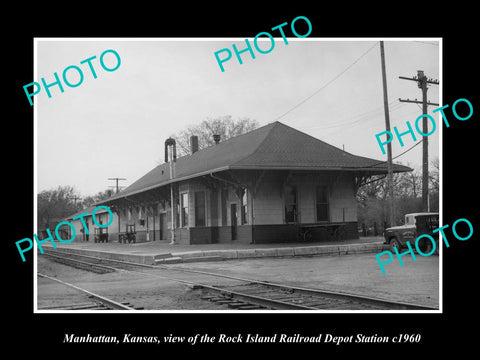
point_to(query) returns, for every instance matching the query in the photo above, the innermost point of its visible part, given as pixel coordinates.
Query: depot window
(184, 209)
(322, 203)
(200, 208)
(290, 204)
(243, 209)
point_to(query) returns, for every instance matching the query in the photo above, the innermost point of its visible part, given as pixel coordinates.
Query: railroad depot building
(267, 185)
(102, 217)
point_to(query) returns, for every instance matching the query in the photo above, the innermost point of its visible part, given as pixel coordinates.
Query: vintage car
(415, 225)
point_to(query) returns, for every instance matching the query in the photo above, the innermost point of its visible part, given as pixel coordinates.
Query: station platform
(162, 252)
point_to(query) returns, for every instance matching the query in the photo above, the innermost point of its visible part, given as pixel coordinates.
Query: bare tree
(224, 126)
(372, 198)
(92, 200)
(56, 204)
(408, 184)
(375, 187)
(434, 178)
(434, 185)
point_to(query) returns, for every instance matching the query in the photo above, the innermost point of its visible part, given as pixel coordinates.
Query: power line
(75, 198)
(355, 119)
(116, 180)
(393, 158)
(407, 150)
(417, 102)
(422, 82)
(362, 116)
(426, 42)
(366, 123)
(361, 120)
(328, 83)
(399, 105)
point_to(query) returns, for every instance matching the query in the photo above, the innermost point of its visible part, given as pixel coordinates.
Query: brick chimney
(193, 144)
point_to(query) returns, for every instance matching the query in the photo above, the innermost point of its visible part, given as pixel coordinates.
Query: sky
(116, 125)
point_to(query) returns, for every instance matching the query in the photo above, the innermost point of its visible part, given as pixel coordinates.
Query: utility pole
(171, 157)
(389, 145)
(422, 82)
(75, 198)
(116, 179)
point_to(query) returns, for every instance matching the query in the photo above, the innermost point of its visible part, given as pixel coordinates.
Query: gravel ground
(416, 282)
(138, 290)
(53, 294)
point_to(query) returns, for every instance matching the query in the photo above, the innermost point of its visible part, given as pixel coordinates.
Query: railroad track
(240, 293)
(79, 264)
(98, 302)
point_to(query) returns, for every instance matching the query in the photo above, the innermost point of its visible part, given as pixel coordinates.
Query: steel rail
(309, 291)
(384, 304)
(277, 304)
(62, 259)
(108, 302)
(259, 300)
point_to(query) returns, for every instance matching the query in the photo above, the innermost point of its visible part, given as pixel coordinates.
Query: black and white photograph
(282, 195)
(261, 183)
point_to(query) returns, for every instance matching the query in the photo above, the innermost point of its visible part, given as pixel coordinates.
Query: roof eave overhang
(319, 168)
(372, 170)
(165, 183)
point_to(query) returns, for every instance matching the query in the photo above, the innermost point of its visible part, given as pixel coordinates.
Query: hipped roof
(88, 210)
(275, 146)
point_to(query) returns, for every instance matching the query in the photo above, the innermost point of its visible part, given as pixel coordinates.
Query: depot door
(163, 226)
(233, 220)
